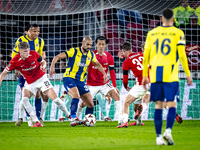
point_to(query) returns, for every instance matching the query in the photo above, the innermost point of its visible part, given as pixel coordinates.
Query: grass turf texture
(105, 135)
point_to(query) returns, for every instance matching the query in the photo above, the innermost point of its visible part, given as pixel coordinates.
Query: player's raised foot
(63, 96)
(41, 121)
(168, 137)
(37, 124)
(179, 118)
(123, 125)
(160, 141)
(19, 122)
(107, 119)
(61, 119)
(30, 121)
(138, 112)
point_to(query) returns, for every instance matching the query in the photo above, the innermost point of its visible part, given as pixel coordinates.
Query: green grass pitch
(58, 136)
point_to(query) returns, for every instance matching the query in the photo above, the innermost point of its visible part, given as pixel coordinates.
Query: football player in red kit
(33, 68)
(133, 62)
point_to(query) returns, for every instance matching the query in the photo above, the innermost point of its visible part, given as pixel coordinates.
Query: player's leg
(158, 96)
(128, 101)
(102, 104)
(87, 99)
(171, 91)
(81, 105)
(28, 91)
(45, 100)
(38, 104)
(145, 101)
(110, 91)
(21, 106)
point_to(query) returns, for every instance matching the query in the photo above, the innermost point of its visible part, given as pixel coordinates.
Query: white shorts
(43, 84)
(104, 89)
(138, 91)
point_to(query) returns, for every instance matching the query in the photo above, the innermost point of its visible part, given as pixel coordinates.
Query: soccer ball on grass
(90, 120)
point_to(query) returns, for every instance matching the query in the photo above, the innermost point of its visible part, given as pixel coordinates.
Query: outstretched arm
(100, 68)
(2, 76)
(55, 59)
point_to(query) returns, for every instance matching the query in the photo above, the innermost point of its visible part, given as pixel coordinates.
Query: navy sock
(38, 107)
(73, 107)
(158, 121)
(89, 110)
(171, 117)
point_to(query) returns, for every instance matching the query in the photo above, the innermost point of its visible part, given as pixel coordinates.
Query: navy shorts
(70, 83)
(21, 81)
(164, 91)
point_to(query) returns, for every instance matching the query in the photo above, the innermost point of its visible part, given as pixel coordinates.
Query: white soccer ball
(90, 120)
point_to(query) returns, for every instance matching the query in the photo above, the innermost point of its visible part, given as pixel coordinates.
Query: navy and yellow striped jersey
(164, 47)
(78, 63)
(37, 44)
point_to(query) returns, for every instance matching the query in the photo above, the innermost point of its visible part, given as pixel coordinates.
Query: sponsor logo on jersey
(81, 64)
(88, 58)
(36, 45)
(105, 63)
(31, 68)
(32, 63)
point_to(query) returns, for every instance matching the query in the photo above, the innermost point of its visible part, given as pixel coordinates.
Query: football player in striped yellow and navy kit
(37, 44)
(74, 77)
(164, 47)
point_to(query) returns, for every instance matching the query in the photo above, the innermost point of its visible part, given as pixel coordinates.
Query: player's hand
(43, 68)
(105, 78)
(117, 90)
(17, 73)
(189, 80)
(51, 71)
(145, 81)
(120, 54)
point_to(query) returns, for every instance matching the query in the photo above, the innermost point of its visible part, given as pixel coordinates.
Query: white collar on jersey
(103, 54)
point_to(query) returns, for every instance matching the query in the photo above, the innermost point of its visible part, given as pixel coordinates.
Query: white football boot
(168, 137)
(160, 141)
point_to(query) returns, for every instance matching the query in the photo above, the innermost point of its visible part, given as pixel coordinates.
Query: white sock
(139, 121)
(44, 106)
(144, 107)
(125, 117)
(79, 111)
(61, 106)
(29, 108)
(118, 108)
(21, 110)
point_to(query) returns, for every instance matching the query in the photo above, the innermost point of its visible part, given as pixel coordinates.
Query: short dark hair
(31, 25)
(126, 46)
(23, 45)
(102, 38)
(167, 13)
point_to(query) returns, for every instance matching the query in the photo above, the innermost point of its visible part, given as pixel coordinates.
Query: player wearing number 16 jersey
(164, 47)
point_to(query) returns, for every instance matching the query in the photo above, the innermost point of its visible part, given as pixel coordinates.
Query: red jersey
(134, 63)
(29, 68)
(95, 77)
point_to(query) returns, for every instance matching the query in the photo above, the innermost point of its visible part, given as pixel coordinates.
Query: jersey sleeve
(15, 50)
(11, 66)
(146, 55)
(94, 59)
(125, 65)
(70, 52)
(111, 61)
(41, 47)
(182, 54)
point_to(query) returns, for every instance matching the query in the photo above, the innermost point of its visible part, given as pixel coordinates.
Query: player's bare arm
(55, 59)
(17, 72)
(43, 65)
(2, 76)
(100, 68)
